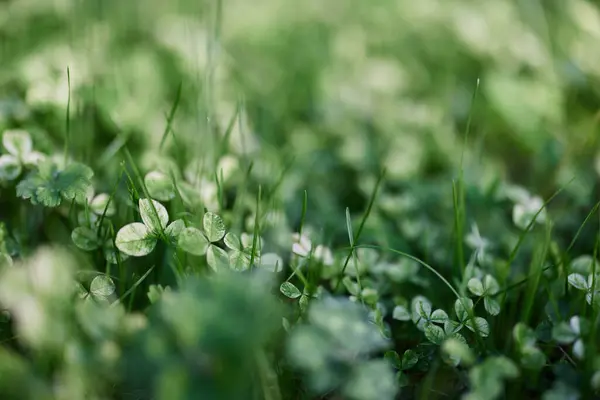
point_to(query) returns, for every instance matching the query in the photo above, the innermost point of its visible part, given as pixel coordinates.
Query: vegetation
(334, 199)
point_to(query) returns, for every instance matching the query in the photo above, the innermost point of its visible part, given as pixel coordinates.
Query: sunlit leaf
(434, 333)
(217, 258)
(475, 286)
(160, 186)
(290, 290)
(135, 240)
(174, 229)
(232, 241)
(271, 262)
(102, 286)
(193, 241)
(214, 227)
(239, 260)
(578, 281)
(155, 218)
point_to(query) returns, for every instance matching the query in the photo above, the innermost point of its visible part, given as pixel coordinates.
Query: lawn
(342, 199)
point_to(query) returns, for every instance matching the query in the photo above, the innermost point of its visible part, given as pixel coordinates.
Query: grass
(313, 175)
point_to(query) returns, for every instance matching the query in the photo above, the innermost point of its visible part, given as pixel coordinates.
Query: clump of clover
(333, 349)
(20, 154)
(428, 320)
(140, 238)
(486, 289)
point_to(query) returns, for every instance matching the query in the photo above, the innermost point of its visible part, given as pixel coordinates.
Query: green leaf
(409, 359)
(289, 290)
(17, 142)
(482, 326)
(217, 258)
(434, 333)
(393, 358)
(239, 260)
(491, 285)
(563, 333)
(214, 227)
(452, 327)
(159, 186)
(438, 316)
(85, 238)
(102, 286)
(10, 168)
(48, 186)
(232, 241)
(135, 240)
(462, 313)
(421, 307)
(155, 219)
(475, 286)
(100, 203)
(491, 305)
(193, 241)
(174, 229)
(400, 313)
(271, 262)
(578, 281)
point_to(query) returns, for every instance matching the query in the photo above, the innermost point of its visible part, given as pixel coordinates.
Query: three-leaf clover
(423, 313)
(102, 289)
(139, 239)
(49, 186)
(464, 309)
(487, 289)
(19, 146)
(241, 250)
(199, 243)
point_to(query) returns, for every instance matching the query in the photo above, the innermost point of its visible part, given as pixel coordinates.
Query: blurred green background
(330, 92)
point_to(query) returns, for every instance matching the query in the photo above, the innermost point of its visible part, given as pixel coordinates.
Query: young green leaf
(239, 260)
(492, 306)
(214, 227)
(85, 238)
(174, 229)
(578, 281)
(217, 258)
(102, 286)
(434, 333)
(481, 324)
(193, 241)
(475, 286)
(409, 359)
(290, 290)
(232, 241)
(438, 316)
(156, 218)
(135, 240)
(159, 186)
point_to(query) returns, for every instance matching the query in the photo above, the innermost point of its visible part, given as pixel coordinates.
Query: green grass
(349, 200)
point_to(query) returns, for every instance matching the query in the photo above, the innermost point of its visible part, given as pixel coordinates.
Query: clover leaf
(531, 356)
(589, 285)
(48, 185)
(423, 313)
(159, 185)
(19, 146)
(199, 243)
(570, 333)
(139, 239)
(486, 289)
